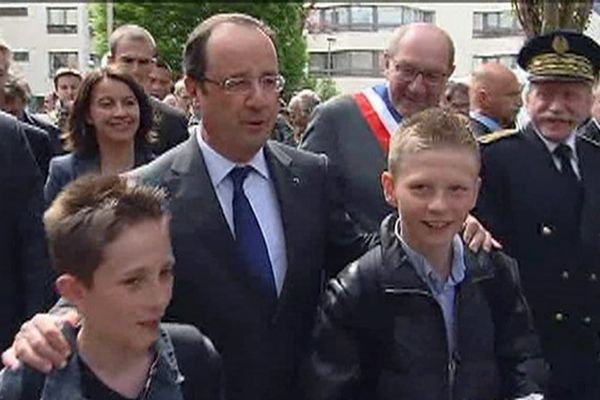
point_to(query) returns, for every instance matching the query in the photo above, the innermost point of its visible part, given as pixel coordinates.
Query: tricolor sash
(377, 110)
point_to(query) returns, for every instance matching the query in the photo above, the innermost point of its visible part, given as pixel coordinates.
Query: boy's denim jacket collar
(164, 379)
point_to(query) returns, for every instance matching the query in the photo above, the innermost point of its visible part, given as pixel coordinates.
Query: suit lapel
(192, 193)
(287, 181)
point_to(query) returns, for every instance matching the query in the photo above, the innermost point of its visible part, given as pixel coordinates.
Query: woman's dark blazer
(68, 167)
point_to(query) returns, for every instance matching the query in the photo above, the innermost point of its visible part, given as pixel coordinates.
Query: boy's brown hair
(89, 214)
(429, 129)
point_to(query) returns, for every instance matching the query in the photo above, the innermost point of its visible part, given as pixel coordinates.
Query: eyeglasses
(409, 73)
(268, 83)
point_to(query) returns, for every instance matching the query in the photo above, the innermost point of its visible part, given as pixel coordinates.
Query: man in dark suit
(354, 131)
(26, 280)
(15, 99)
(540, 196)
(255, 225)
(591, 129)
(494, 98)
(133, 48)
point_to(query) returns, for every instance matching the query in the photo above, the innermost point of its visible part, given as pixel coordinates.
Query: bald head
(418, 62)
(425, 33)
(495, 92)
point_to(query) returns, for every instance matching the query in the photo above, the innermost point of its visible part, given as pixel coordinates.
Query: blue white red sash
(376, 108)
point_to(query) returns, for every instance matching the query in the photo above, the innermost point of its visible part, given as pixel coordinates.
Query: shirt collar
(489, 122)
(551, 146)
(219, 166)
(429, 275)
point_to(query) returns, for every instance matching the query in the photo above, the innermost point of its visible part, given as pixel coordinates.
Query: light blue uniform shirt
(489, 122)
(443, 292)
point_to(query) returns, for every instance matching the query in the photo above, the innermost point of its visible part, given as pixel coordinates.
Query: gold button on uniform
(559, 317)
(565, 275)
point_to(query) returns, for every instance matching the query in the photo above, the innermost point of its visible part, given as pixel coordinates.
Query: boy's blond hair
(429, 129)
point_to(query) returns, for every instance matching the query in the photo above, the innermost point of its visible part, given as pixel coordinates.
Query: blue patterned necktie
(250, 241)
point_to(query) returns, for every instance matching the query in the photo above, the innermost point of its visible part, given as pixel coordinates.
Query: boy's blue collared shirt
(443, 292)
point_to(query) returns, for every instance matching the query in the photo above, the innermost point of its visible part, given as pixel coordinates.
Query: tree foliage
(543, 16)
(171, 22)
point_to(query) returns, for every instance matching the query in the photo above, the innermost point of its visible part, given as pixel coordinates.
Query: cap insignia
(560, 45)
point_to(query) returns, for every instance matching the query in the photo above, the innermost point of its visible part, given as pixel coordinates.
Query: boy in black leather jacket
(420, 316)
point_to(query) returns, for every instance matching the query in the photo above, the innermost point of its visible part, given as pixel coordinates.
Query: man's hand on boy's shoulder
(477, 237)
(40, 343)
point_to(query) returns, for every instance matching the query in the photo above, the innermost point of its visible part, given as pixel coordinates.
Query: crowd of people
(420, 239)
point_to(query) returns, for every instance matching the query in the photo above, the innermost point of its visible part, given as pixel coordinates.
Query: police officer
(541, 197)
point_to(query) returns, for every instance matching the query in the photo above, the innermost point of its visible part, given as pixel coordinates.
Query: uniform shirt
(444, 292)
(261, 194)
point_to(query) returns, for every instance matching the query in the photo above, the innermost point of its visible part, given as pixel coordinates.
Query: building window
(62, 20)
(13, 11)
(495, 24)
(364, 18)
(346, 63)
(20, 56)
(508, 60)
(59, 59)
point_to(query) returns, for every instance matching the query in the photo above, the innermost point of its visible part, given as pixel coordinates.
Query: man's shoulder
(154, 172)
(498, 137)
(338, 103)
(298, 156)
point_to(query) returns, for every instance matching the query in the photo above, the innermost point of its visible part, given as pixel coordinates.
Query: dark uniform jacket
(25, 276)
(339, 130)
(554, 233)
(261, 350)
(380, 333)
(169, 124)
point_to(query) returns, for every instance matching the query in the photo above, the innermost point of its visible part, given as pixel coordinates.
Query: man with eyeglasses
(133, 48)
(254, 223)
(354, 131)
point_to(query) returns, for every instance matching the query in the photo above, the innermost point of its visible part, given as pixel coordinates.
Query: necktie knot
(238, 176)
(563, 152)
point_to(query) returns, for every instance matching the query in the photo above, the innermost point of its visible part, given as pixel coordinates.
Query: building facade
(346, 40)
(45, 37)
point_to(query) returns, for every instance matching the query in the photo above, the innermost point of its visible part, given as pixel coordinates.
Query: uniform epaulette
(590, 140)
(492, 137)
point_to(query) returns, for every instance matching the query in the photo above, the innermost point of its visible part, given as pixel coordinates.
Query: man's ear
(387, 183)
(71, 288)
(191, 86)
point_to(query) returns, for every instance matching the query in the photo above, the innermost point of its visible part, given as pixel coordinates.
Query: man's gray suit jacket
(339, 130)
(261, 351)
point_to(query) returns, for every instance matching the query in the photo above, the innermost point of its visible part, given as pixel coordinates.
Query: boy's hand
(40, 343)
(477, 237)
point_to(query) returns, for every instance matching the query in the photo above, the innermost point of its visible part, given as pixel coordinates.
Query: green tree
(171, 22)
(325, 87)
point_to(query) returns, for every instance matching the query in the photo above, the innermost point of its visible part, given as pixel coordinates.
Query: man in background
(495, 98)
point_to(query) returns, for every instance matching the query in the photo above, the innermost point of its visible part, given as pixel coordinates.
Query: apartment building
(346, 39)
(45, 37)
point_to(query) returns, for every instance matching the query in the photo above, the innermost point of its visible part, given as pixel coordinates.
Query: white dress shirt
(260, 191)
